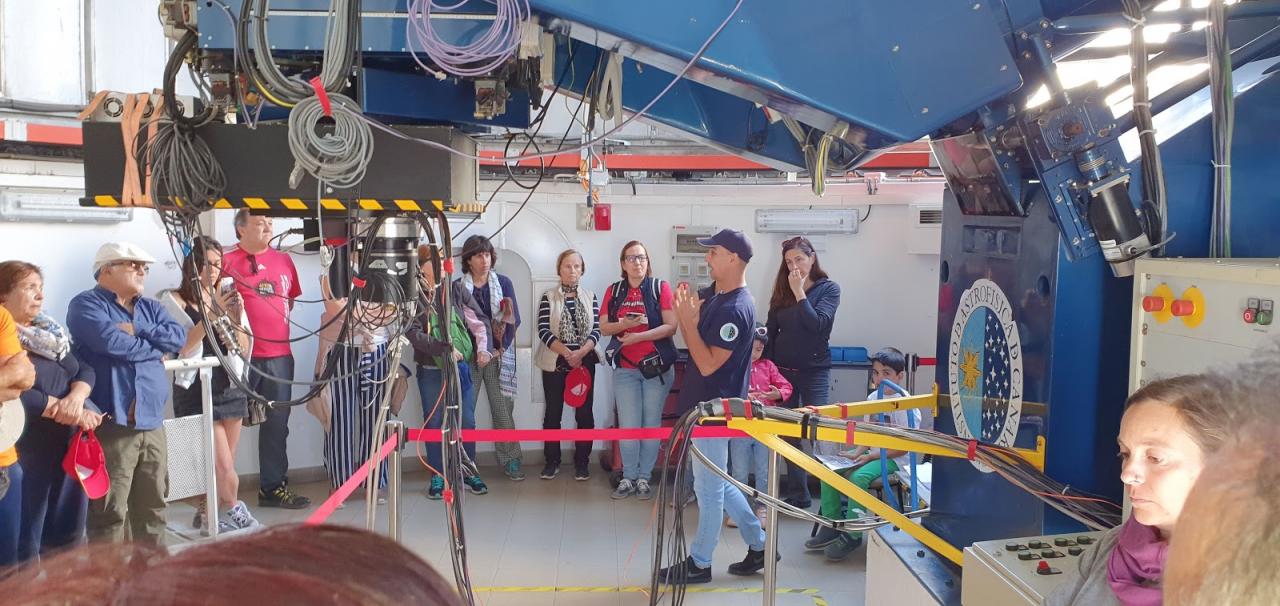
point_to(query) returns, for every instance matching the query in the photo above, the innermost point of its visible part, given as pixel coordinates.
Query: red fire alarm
(604, 217)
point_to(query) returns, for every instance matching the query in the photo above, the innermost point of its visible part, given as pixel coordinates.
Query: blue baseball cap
(733, 240)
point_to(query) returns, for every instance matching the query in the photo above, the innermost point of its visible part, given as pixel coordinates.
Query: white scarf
(495, 298)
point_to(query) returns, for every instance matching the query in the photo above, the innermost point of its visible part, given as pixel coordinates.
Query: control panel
(688, 258)
(1020, 571)
(1190, 315)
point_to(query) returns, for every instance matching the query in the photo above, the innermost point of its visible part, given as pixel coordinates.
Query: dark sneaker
(435, 491)
(625, 489)
(513, 471)
(684, 573)
(582, 473)
(842, 547)
(549, 471)
(197, 521)
(825, 536)
(283, 498)
(643, 491)
(753, 563)
(476, 485)
(795, 502)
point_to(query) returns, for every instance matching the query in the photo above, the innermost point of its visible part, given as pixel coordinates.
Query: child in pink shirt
(767, 385)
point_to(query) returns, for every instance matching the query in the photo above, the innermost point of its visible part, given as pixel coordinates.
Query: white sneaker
(625, 489)
(643, 491)
(239, 516)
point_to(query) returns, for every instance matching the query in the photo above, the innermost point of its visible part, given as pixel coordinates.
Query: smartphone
(637, 316)
(226, 285)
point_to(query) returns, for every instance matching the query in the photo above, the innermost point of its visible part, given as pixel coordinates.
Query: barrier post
(210, 452)
(771, 536)
(395, 472)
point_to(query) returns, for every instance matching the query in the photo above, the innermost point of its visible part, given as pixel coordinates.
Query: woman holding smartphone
(216, 313)
(638, 312)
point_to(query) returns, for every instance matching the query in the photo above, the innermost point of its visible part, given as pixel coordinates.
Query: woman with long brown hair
(802, 312)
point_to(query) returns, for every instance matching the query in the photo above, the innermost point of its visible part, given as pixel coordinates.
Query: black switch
(1083, 540)
(1036, 545)
(1075, 551)
(1060, 542)
(1011, 547)
(1028, 556)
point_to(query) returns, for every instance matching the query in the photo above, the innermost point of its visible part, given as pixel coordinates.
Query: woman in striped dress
(360, 376)
(568, 330)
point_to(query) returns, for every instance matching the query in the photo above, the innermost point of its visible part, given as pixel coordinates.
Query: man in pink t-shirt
(268, 283)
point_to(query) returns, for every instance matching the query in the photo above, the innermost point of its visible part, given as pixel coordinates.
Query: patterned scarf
(45, 338)
(507, 363)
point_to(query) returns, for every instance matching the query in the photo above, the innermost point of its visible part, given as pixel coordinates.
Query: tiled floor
(569, 544)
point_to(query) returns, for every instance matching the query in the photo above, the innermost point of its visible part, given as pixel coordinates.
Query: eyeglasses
(636, 258)
(253, 264)
(762, 331)
(796, 241)
(134, 265)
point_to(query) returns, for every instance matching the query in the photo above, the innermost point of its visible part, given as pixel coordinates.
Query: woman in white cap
(53, 503)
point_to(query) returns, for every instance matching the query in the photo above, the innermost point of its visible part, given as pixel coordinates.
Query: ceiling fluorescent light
(807, 221)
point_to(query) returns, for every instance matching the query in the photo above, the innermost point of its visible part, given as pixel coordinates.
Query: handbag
(257, 413)
(650, 366)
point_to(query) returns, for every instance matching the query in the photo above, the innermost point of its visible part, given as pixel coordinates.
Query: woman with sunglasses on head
(802, 312)
(638, 311)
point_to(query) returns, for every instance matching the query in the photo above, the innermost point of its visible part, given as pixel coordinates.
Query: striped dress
(354, 401)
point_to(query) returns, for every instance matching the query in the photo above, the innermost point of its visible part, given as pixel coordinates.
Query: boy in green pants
(887, 364)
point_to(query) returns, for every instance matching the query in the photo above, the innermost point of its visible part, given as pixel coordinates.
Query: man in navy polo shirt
(716, 325)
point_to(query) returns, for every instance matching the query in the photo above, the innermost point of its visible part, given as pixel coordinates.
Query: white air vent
(924, 232)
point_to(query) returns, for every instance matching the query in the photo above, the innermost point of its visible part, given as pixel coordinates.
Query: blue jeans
(715, 498)
(746, 457)
(640, 402)
(430, 382)
(11, 517)
(812, 388)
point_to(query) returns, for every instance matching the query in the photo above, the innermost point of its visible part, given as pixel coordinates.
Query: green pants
(137, 462)
(833, 500)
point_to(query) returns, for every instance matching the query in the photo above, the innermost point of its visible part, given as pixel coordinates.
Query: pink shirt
(268, 288)
(765, 376)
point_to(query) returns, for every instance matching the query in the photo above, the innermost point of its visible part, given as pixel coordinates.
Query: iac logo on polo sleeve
(985, 367)
(729, 332)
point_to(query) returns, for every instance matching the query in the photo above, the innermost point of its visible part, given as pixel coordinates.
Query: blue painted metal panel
(948, 59)
(1073, 329)
(1255, 165)
(410, 97)
(716, 117)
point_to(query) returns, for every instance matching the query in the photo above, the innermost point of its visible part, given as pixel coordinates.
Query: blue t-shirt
(726, 321)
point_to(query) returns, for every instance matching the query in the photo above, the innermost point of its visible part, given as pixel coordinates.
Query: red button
(1250, 316)
(1043, 565)
(1183, 307)
(1152, 304)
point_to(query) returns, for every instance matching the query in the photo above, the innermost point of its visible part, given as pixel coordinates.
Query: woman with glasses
(802, 312)
(638, 311)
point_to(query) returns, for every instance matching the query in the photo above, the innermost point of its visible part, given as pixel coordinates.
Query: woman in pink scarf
(1169, 428)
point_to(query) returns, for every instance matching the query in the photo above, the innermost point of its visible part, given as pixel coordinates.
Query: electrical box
(688, 258)
(1192, 315)
(1014, 572)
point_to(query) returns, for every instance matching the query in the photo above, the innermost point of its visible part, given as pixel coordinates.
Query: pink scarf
(1136, 564)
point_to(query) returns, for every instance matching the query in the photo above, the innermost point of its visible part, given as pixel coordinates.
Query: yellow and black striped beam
(309, 205)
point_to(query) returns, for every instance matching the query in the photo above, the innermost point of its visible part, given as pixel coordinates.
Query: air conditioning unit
(924, 229)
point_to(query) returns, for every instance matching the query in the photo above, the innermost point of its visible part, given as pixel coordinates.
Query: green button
(1264, 317)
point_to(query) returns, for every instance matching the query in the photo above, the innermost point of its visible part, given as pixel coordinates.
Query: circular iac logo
(985, 367)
